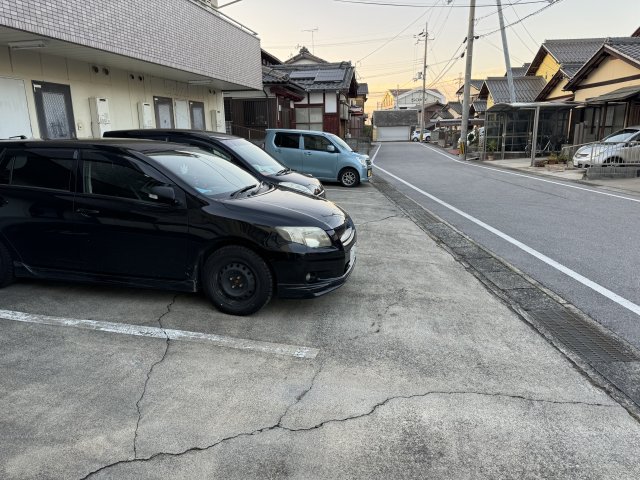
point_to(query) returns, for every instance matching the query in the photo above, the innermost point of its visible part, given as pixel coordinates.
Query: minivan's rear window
(38, 167)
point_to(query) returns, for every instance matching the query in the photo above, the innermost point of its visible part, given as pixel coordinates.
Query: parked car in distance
(235, 149)
(163, 215)
(323, 155)
(619, 148)
(426, 136)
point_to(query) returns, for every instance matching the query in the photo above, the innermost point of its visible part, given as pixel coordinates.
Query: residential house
(71, 69)
(328, 87)
(609, 85)
(557, 61)
(496, 89)
(411, 98)
(250, 112)
(389, 101)
(357, 115)
(519, 71)
(474, 89)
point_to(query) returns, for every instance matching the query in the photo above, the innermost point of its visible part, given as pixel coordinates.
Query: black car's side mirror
(164, 194)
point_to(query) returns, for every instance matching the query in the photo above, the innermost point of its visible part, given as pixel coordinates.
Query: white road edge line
(155, 332)
(540, 256)
(500, 170)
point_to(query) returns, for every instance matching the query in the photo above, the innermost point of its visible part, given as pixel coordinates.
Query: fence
(254, 135)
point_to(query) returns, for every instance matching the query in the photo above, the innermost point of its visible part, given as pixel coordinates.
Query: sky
(380, 39)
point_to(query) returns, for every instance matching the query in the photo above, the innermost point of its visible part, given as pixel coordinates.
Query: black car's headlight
(312, 237)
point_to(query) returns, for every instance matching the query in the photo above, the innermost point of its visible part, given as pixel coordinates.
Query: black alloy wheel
(237, 280)
(349, 177)
(6, 267)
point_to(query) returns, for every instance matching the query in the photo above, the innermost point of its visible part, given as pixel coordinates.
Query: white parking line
(540, 256)
(155, 332)
(506, 172)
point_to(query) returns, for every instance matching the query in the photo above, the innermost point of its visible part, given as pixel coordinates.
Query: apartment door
(197, 115)
(54, 110)
(164, 112)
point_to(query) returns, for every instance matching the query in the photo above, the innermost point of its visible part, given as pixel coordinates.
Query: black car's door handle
(86, 212)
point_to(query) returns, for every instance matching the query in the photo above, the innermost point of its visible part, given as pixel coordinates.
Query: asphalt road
(580, 241)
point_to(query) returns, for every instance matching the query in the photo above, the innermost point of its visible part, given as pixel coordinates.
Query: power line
(554, 2)
(414, 5)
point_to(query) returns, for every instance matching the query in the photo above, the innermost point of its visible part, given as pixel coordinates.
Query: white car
(619, 148)
(415, 136)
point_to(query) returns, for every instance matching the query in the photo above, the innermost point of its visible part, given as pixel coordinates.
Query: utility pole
(467, 78)
(505, 49)
(424, 78)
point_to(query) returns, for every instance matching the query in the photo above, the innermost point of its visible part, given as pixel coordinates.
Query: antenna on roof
(312, 30)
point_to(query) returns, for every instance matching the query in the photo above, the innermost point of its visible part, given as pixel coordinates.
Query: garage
(394, 125)
(394, 134)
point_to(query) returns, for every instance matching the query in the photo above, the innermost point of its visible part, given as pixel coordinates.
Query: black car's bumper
(321, 284)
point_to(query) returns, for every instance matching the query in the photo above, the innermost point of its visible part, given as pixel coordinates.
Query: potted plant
(492, 146)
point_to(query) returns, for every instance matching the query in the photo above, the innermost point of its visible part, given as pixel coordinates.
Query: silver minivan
(323, 155)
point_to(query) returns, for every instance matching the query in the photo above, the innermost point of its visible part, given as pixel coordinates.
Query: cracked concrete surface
(422, 373)
(146, 382)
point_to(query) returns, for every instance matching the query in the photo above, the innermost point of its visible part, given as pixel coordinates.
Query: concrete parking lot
(412, 370)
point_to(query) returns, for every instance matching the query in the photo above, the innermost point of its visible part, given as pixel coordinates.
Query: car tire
(6, 267)
(237, 280)
(414, 139)
(349, 177)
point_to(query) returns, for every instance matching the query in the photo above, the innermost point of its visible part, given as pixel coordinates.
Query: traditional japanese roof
(305, 54)
(322, 76)
(479, 106)
(363, 89)
(519, 71)
(269, 59)
(636, 33)
(456, 107)
(477, 83)
(526, 89)
(624, 48)
(269, 75)
(395, 118)
(445, 114)
(572, 50)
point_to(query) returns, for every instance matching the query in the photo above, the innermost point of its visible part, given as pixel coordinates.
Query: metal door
(164, 112)
(54, 110)
(196, 109)
(182, 114)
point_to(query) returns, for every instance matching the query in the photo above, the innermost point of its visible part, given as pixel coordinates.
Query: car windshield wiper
(244, 189)
(283, 171)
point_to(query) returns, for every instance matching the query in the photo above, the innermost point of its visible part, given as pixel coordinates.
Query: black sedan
(155, 214)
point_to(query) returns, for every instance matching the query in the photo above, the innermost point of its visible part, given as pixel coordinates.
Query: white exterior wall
(122, 92)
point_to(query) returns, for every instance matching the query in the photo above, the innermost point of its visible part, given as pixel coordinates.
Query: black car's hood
(280, 207)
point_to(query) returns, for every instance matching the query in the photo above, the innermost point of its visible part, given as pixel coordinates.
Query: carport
(528, 128)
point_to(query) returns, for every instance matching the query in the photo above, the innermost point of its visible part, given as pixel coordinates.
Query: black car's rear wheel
(6, 267)
(237, 280)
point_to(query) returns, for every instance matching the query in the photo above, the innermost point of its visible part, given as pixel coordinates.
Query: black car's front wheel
(237, 280)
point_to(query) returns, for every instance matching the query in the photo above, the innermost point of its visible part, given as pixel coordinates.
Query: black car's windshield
(210, 175)
(260, 160)
(621, 136)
